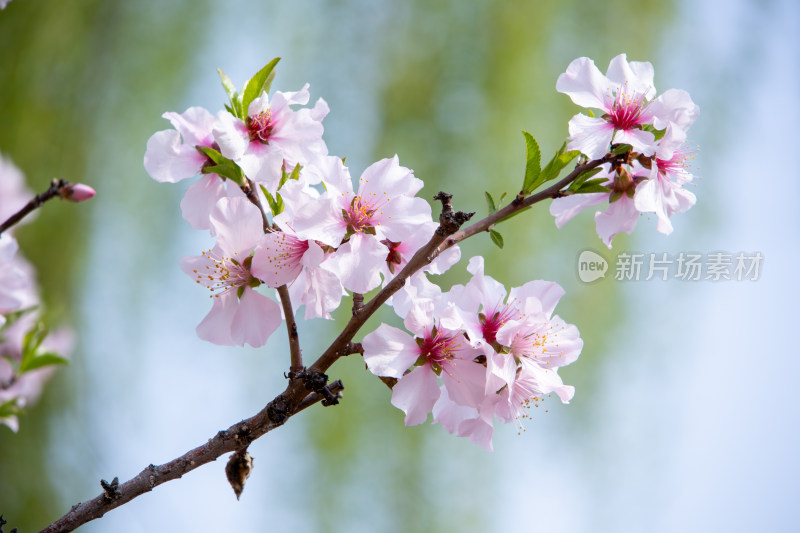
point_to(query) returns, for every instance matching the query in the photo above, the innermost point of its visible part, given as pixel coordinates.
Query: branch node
(151, 479)
(110, 490)
(332, 398)
(353, 347)
(358, 302)
(277, 410)
(449, 220)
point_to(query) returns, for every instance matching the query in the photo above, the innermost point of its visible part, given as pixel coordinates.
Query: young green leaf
(658, 134)
(275, 203)
(533, 164)
(213, 155)
(557, 164)
(9, 408)
(232, 172)
(490, 203)
(13, 317)
(582, 177)
(619, 149)
(41, 360)
(496, 238)
(235, 98)
(595, 185)
(257, 84)
(227, 84)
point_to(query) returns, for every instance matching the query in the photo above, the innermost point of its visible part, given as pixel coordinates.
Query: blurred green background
(448, 86)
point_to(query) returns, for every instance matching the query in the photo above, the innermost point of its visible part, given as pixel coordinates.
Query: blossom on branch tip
(664, 193)
(272, 134)
(78, 192)
(625, 94)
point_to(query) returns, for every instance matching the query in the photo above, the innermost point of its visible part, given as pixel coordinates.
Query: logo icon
(591, 266)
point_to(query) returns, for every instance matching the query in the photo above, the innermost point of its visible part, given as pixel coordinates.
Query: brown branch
(296, 355)
(235, 438)
(291, 328)
(58, 187)
(522, 202)
(250, 191)
(358, 302)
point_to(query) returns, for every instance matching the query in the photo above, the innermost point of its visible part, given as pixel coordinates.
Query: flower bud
(77, 192)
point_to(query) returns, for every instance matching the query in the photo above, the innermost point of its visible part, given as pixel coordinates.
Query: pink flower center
(525, 394)
(293, 250)
(438, 349)
(533, 345)
(359, 215)
(224, 274)
(492, 322)
(261, 126)
(676, 168)
(626, 110)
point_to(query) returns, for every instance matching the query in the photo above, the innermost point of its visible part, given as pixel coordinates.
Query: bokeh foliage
(63, 67)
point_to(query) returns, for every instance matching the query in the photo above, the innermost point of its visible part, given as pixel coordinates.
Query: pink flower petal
(389, 351)
(620, 216)
(584, 84)
(415, 394)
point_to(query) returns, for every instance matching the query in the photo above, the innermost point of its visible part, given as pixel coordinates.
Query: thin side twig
(56, 186)
(296, 354)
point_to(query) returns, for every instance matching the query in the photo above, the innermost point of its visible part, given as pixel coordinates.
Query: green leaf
(496, 238)
(233, 173)
(257, 84)
(227, 84)
(9, 408)
(490, 203)
(557, 164)
(275, 203)
(213, 155)
(43, 359)
(235, 108)
(13, 317)
(620, 149)
(533, 164)
(595, 185)
(658, 134)
(582, 177)
(295, 175)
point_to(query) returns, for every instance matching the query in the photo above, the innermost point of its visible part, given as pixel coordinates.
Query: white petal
(584, 84)
(591, 136)
(167, 159)
(389, 351)
(256, 318)
(416, 394)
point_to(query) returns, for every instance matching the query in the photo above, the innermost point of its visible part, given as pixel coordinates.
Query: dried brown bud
(238, 470)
